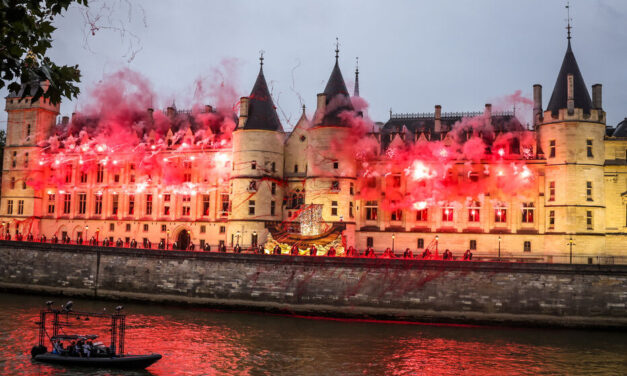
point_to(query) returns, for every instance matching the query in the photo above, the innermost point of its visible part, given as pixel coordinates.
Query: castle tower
(256, 179)
(331, 168)
(571, 135)
(28, 124)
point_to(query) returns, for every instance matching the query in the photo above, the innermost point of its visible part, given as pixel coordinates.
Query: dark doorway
(182, 241)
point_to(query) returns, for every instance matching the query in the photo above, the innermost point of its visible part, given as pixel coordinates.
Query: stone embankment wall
(429, 291)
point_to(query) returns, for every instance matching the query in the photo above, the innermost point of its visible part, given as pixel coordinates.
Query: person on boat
(223, 248)
(192, 246)
(87, 349)
(119, 242)
(294, 250)
(277, 250)
(408, 254)
(313, 251)
(43, 238)
(426, 254)
(54, 239)
(237, 248)
(207, 247)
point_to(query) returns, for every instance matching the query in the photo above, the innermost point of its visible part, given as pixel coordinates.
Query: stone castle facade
(579, 196)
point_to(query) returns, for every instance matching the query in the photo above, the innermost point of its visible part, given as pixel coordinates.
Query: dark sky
(412, 54)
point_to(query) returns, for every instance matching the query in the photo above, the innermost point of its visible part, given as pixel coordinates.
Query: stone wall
(467, 292)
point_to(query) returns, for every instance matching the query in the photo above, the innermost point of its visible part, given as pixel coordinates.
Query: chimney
(570, 94)
(488, 110)
(438, 117)
(170, 111)
(537, 104)
(322, 102)
(65, 120)
(73, 116)
(597, 99)
(150, 112)
(208, 108)
(243, 111)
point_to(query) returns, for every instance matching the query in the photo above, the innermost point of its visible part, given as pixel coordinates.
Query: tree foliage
(26, 28)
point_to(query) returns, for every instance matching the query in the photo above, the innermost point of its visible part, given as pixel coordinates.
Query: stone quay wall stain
(415, 290)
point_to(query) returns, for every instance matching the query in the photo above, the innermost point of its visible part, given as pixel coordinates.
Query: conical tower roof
(559, 98)
(337, 96)
(261, 110)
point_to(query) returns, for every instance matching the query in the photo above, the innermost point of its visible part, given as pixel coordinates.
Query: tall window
(114, 204)
(205, 205)
(67, 203)
(20, 207)
(28, 130)
(166, 204)
(224, 204)
(251, 207)
(352, 189)
(473, 211)
(396, 181)
(422, 215)
(131, 204)
(421, 243)
(149, 204)
(552, 219)
(552, 149)
(295, 168)
(187, 177)
(371, 210)
(335, 186)
(68, 173)
(528, 212)
(273, 188)
(25, 160)
(82, 203)
(500, 215)
(272, 207)
(83, 177)
(98, 204)
(333, 207)
(551, 191)
(14, 160)
(589, 191)
(100, 173)
(186, 208)
(527, 246)
(9, 206)
(589, 220)
(448, 214)
(51, 202)
(351, 214)
(397, 214)
(589, 148)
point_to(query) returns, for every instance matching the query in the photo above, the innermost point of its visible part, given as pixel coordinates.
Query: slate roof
(337, 97)
(621, 129)
(261, 110)
(560, 96)
(424, 123)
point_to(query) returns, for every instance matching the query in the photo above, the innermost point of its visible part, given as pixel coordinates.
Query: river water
(197, 341)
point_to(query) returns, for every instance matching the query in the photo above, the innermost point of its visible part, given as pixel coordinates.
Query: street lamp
(499, 248)
(167, 239)
(393, 237)
(254, 242)
(86, 232)
(571, 243)
(237, 235)
(437, 238)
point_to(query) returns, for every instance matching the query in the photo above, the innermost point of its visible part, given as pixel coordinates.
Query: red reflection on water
(196, 341)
